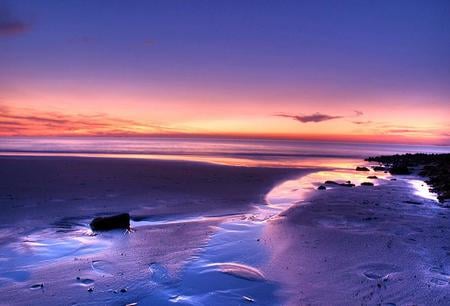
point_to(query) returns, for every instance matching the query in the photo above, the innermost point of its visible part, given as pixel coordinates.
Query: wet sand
(177, 207)
(216, 235)
(381, 245)
(38, 189)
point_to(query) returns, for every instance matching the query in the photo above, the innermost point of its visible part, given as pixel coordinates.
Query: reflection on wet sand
(153, 265)
(273, 161)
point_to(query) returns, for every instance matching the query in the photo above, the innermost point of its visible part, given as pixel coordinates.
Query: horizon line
(374, 139)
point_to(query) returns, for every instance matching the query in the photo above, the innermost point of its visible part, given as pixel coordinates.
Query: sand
(380, 245)
(38, 189)
(206, 234)
(47, 204)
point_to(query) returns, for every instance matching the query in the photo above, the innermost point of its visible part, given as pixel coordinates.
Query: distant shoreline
(436, 167)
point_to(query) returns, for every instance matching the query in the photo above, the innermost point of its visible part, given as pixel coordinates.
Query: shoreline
(191, 236)
(381, 244)
(142, 187)
(435, 167)
(54, 247)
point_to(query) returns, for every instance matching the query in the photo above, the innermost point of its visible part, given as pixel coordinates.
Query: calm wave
(226, 151)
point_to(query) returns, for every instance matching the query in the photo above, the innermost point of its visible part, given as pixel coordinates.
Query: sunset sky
(334, 70)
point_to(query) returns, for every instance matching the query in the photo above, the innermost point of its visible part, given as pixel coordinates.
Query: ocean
(238, 152)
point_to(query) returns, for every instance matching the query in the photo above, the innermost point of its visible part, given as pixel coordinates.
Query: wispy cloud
(362, 122)
(416, 131)
(15, 121)
(9, 24)
(404, 130)
(316, 117)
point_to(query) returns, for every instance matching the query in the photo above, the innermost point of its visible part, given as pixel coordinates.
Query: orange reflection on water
(295, 191)
(299, 162)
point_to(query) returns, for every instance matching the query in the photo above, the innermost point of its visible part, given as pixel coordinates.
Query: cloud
(17, 121)
(10, 25)
(362, 122)
(424, 131)
(316, 117)
(33, 118)
(403, 130)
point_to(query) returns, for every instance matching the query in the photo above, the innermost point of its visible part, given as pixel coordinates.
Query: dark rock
(90, 289)
(372, 177)
(393, 179)
(331, 183)
(399, 169)
(362, 169)
(37, 286)
(378, 168)
(366, 184)
(370, 218)
(412, 202)
(434, 166)
(321, 187)
(121, 221)
(347, 185)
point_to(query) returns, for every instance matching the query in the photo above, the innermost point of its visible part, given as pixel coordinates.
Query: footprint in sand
(340, 223)
(238, 270)
(102, 267)
(85, 281)
(159, 273)
(439, 276)
(438, 281)
(372, 275)
(378, 271)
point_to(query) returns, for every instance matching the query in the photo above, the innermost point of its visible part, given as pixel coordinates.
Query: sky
(327, 70)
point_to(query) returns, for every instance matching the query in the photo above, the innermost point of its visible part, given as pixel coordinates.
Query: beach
(208, 234)
(381, 245)
(47, 204)
(224, 153)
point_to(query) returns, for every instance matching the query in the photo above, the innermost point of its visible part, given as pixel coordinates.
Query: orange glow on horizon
(226, 70)
(123, 113)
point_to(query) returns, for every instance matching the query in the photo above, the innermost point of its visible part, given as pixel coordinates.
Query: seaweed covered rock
(400, 170)
(121, 221)
(331, 183)
(362, 169)
(378, 168)
(434, 166)
(347, 185)
(439, 179)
